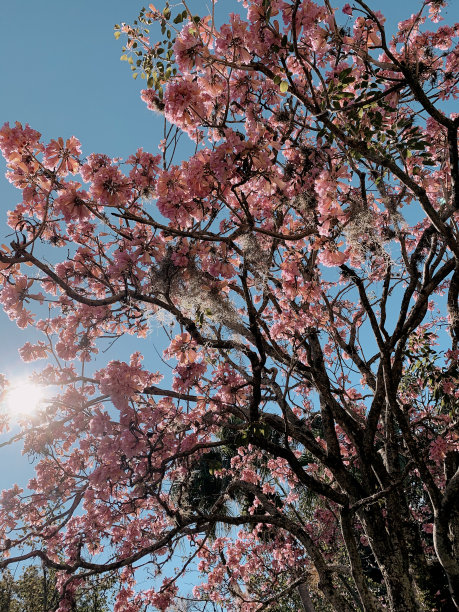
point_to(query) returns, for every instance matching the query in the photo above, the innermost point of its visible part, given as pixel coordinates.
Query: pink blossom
(63, 158)
(94, 163)
(185, 105)
(110, 187)
(18, 140)
(32, 352)
(71, 203)
(332, 258)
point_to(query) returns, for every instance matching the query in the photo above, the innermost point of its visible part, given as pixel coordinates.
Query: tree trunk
(392, 563)
(444, 520)
(367, 599)
(303, 592)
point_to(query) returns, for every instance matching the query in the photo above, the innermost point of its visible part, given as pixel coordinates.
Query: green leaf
(283, 86)
(344, 73)
(117, 34)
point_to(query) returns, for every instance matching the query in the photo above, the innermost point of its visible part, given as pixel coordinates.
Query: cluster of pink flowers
(185, 105)
(63, 158)
(12, 298)
(121, 381)
(19, 141)
(71, 203)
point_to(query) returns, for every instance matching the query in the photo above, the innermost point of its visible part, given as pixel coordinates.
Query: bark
(392, 563)
(306, 601)
(427, 584)
(444, 520)
(368, 602)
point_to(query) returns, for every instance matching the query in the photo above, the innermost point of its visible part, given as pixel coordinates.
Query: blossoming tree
(306, 446)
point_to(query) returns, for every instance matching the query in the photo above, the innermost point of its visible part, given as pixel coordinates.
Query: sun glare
(23, 398)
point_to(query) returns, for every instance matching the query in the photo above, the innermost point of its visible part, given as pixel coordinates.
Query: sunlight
(23, 398)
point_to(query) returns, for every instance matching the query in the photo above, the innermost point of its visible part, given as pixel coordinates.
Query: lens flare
(23, 398)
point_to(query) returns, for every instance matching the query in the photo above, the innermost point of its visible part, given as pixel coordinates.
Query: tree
(307, 255)
(35, 591)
